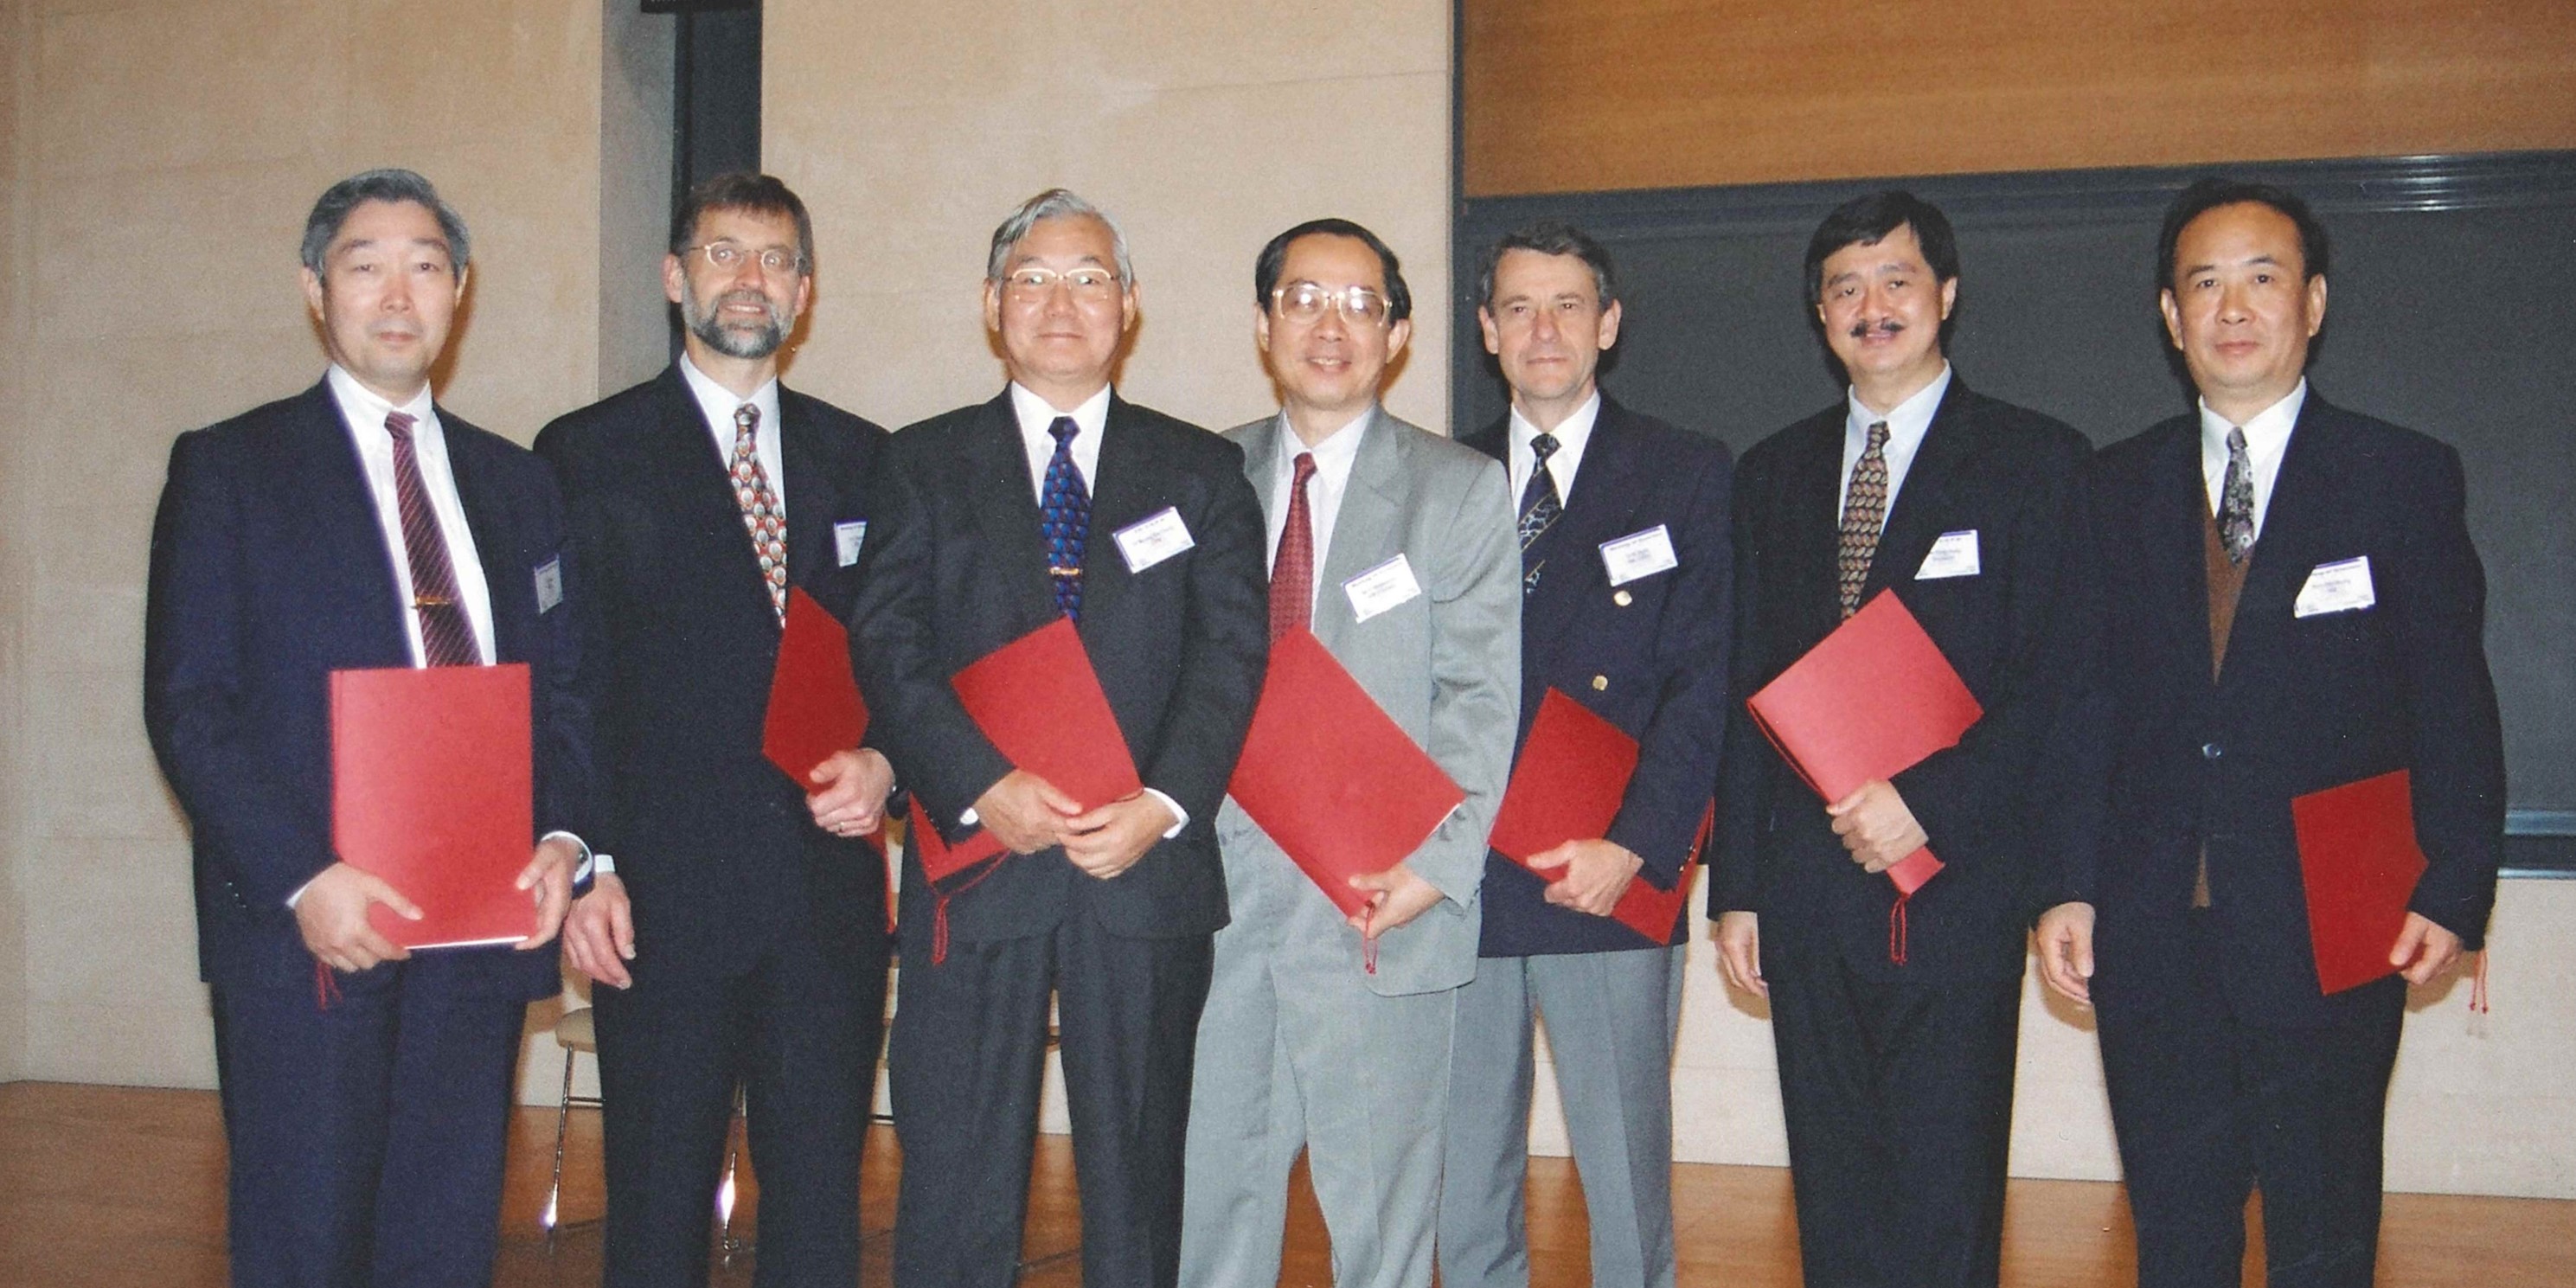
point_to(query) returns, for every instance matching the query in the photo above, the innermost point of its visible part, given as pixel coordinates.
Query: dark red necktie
(1292, 573)
(446, 636)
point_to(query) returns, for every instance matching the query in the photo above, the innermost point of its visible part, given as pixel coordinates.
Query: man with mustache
(736, 932)
(1896, 1036)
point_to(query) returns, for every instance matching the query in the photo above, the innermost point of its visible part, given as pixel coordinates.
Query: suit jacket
(1445, 665)
(714, 844)
(957, 568)
(2012, 476)
(2299, 705)
(1648, 656)
(269, 572)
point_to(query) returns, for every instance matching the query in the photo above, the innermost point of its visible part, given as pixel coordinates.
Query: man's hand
(548, 881)
(599, 936)
(1396, 896)
(1876, 826)
(332, 914)
(1739, 951)
(850, 790)
(1596, 873)
(1108, 841)
(2065, 938)
(1025, 812)
(2424, 950)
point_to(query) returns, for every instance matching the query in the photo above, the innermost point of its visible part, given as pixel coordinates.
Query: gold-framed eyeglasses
(1306, 302)
(1089, 283)
(729, 257)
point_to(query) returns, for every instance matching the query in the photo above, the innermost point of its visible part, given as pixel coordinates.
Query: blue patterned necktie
(1066, 519)
(1540, 507)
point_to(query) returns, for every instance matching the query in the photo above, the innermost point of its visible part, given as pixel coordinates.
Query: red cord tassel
(1896, 931)
(2478, 986)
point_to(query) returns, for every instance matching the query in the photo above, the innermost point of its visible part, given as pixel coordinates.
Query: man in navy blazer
(2288, 601)
(737, 928)
(1896, 1024)
(1624, 577)
(356, 525)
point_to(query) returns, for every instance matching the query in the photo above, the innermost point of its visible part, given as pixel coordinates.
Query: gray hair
(1053, 203)
(333, 207)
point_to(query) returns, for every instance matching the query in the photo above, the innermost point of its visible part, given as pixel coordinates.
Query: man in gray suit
(1325, 1033)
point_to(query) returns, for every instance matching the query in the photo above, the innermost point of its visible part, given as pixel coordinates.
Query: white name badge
(549, 584)
(1154, 538)
(1954, 555)
(1381, 588)
(847, 538)
(2336, 587)
(1639, 554)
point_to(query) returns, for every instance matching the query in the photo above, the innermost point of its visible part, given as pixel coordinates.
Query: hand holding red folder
(1334, 781)
(2359, 860)
(1568, 784)
(432, 790)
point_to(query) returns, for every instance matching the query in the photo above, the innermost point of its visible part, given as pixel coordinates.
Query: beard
(740, 340)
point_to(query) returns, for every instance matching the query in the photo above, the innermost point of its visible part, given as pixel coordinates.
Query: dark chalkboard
(2452, 311)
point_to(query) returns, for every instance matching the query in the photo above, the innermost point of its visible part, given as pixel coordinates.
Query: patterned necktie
(762, 516)
(1864, 511)
(2236, 500)
(446, 636)
(1065, 519)
(1292, 572)
(1539, 510)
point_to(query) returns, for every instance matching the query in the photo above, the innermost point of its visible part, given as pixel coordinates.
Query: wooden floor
(104, 1186)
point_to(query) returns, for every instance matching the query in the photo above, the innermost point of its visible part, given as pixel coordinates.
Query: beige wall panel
(17, 167)
(1579, 95)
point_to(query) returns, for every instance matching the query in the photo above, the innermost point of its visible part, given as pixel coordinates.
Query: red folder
(814, 703)
(431, 790)
(2358, 857)
(1654, 913)
(938, 858)
(1041, 704)
(1572, 774)
(1331, 778)
(1867, 702)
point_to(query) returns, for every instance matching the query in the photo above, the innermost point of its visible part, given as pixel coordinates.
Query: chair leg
(725, 1192)
(554, 1189)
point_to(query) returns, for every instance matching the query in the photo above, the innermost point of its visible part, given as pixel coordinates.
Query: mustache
(1884, 326)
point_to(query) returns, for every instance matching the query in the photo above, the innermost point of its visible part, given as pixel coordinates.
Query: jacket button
(2211, 751)
(1622, 598)
(1600, 682)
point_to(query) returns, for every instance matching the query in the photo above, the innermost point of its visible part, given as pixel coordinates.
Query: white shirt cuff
(1182, 815)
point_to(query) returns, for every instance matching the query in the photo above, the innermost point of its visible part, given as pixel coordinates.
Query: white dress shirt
(719, 403)
(1907, 423)
(2267, 439)
(365, 413)
(1324, 490)
(1571, 435)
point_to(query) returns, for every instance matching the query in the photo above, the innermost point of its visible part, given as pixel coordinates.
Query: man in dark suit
(2288, 602)
(1058, 499)
(1896, 1023)
(737, 923)
(1623, 536)
(356, 525)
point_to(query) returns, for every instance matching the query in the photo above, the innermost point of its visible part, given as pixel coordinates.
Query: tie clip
(1064, 572)
(432, 601)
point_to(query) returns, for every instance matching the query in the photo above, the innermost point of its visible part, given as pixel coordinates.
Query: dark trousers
(800, 1032)
(2207, 1107)
(365, 1136)
(970, 1037)
(1898, 1097)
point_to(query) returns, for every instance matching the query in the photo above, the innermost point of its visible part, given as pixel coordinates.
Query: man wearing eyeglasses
(1058, 499)
(1325, 1034)
(736, 929)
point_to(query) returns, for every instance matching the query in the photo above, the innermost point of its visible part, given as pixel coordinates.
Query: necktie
(446, 636)
(2236, 500)
(762, 516)
(1065, 519)
(1864, 510)
(1292, 572)
(1539, 510)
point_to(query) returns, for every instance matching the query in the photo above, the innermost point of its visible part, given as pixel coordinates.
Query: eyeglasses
(1091, 285)
(727, 257)
(1306, 302)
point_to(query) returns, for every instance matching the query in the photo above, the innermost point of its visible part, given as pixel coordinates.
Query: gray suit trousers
(1611, 1019)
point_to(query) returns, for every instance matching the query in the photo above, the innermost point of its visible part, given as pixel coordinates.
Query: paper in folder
(814, 703)
(1567, 785)
(1331, 778)
(2360, 862)
(1869, 701)
(431, 790)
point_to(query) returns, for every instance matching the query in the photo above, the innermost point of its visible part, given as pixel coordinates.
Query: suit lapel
(1809, 515)
(1599, 509)
(1122, 491)
(334, 491)
(2294, 524)
(495, 545)
(697, 483)
(811, 499)
(1006, 507)
(1365, 525)
(1950, 446)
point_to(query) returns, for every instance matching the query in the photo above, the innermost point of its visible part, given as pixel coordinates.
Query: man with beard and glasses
(1896, 1036)
(736, 929)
